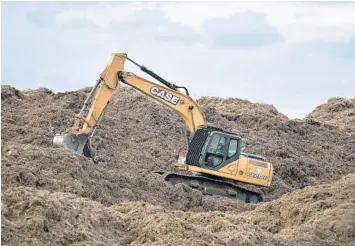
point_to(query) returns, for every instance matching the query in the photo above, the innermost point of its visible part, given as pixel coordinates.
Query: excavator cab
(213, 148)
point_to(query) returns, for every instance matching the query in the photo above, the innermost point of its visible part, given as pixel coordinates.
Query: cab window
(217, 145)
(216, 150)
(233, 148)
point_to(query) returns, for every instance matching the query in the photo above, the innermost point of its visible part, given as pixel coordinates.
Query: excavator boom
(175, 100)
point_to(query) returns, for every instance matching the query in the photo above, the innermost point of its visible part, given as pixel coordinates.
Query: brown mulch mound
(121, 198)
(336, 111)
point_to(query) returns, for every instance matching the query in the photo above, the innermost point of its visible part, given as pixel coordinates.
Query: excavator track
(211, 186)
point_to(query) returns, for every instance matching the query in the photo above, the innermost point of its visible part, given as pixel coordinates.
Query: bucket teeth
(80, 143)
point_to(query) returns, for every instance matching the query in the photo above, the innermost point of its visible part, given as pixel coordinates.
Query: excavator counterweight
(214, 163)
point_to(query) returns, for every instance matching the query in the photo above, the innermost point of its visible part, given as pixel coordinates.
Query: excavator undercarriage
(210, 185)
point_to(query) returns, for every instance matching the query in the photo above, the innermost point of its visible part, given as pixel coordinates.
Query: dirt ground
(52, 196)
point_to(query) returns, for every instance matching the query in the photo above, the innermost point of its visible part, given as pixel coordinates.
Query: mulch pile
(337, 111)
(53, 195)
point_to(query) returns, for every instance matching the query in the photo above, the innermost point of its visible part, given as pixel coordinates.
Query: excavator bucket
(80, 143)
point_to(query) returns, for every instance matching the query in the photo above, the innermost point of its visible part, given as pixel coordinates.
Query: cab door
(222, 149)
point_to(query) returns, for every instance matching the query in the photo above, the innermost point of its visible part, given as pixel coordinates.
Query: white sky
(294, 55)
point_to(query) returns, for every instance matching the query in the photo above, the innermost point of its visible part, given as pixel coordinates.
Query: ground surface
(54, 197)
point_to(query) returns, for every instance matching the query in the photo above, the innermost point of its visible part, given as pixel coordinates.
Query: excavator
(215, 163)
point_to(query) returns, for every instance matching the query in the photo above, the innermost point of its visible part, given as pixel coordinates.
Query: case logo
(166, 96)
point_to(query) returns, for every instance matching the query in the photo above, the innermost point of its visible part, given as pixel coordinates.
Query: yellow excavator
(214, 163)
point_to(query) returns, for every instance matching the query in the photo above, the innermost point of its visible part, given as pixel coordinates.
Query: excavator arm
(78, 136)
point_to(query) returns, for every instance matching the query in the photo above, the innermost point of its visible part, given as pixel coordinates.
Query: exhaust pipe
(79, 143)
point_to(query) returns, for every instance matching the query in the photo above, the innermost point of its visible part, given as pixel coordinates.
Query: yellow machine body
(241, 167)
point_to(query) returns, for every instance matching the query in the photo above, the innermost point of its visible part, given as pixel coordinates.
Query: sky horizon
(294, 59)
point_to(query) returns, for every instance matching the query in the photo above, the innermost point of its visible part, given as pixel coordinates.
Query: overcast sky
(294, 55)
